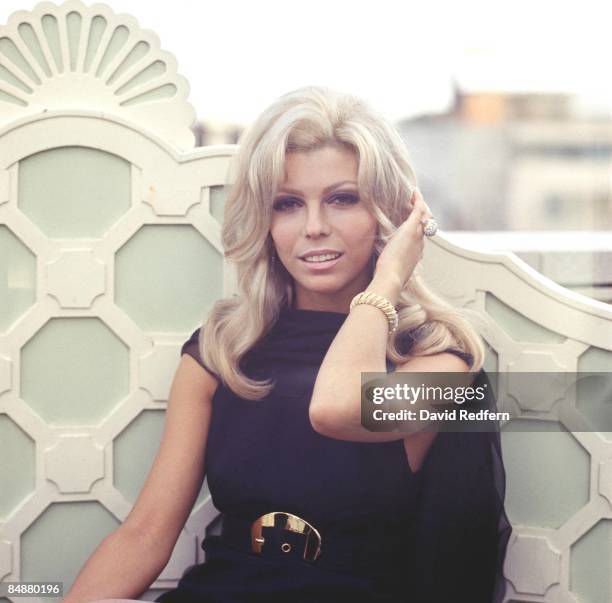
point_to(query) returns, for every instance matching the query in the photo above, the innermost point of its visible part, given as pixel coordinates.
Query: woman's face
(317, 211)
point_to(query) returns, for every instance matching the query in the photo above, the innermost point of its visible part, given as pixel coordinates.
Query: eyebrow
(326, 190)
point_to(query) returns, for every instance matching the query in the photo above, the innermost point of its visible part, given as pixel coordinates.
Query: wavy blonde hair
(306, 119)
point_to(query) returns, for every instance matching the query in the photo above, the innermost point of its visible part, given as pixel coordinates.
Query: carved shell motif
(75, 57)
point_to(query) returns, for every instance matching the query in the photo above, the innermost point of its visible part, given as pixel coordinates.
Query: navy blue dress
(264, 456)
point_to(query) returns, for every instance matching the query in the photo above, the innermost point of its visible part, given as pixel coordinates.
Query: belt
(281, 535)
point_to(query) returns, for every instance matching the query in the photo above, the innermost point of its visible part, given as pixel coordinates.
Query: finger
(422, 212)
(418, 203)
(414, 224)
(412, 200)
(422, 202)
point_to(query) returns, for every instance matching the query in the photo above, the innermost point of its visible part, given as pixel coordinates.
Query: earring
(273, 262)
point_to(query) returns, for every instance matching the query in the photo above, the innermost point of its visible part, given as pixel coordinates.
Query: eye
(285, 203)
(345, 198)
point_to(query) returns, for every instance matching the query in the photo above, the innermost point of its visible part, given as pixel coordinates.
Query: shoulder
(192, 348)
(193, 338)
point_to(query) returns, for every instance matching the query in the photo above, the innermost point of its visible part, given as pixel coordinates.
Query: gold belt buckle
(292, 523)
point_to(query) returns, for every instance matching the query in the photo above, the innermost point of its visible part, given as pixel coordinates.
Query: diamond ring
(430, 226)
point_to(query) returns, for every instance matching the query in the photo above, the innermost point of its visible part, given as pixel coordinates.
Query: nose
(316, 222)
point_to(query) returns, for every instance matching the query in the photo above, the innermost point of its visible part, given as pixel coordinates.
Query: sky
(401, 56)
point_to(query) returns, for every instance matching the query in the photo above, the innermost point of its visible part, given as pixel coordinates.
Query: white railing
(578, 260)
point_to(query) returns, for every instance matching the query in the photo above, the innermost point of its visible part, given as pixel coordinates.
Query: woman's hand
(405, 248)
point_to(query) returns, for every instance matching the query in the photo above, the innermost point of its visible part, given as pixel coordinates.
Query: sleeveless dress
(264, 456)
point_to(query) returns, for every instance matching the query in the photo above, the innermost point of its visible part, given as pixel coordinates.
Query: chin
(321, 287)
(331, 286)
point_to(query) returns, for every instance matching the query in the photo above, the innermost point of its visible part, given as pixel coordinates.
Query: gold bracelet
(368, 297)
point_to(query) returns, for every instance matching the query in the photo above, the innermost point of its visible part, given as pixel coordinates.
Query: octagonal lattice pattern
(557, 481)
(67, 175)
(110, 255)
(81, 368)
(86, 371)
(166, 263)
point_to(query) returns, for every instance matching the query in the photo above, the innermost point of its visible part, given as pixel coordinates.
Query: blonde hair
(306, 119)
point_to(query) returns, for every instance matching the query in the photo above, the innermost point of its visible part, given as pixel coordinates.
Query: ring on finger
(430, 226)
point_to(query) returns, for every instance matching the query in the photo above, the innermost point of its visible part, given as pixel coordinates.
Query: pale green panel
(595, 360)
(9, 50)
(115, 44)
(73, 28)
(74, 371)
(594, 401)
(519, 327)
(143, 435)
(7, 76)
(16, 475)
(96, 30)
(153, 71)
(130, 470)
(137, 52)
(547, 473)
(17, 278)
(167, 277)
(74, 191)
(26, 31)
(590, 395)
(57, 544)
(590, 564)
(50, 27)
(218, 195)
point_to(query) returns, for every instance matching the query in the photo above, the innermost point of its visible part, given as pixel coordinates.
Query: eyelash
(282, 203)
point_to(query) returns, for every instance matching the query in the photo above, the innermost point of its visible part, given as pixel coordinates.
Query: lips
(313, 255)
(318, 266)
(312, 252)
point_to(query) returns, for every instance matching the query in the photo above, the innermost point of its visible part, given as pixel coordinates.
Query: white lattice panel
(561, 327)
(73, 76)
(80, 76)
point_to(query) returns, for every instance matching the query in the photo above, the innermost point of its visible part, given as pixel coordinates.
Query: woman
(324, 207)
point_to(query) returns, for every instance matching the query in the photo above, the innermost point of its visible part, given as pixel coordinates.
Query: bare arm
(129, 560)
(360, 346)
(124, 565)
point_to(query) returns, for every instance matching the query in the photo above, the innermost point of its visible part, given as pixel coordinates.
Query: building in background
(501, 165)
(209, 133)
(508, 161)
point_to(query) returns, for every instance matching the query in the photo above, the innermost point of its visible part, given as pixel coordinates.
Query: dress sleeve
(461, 529)
(191, 347)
